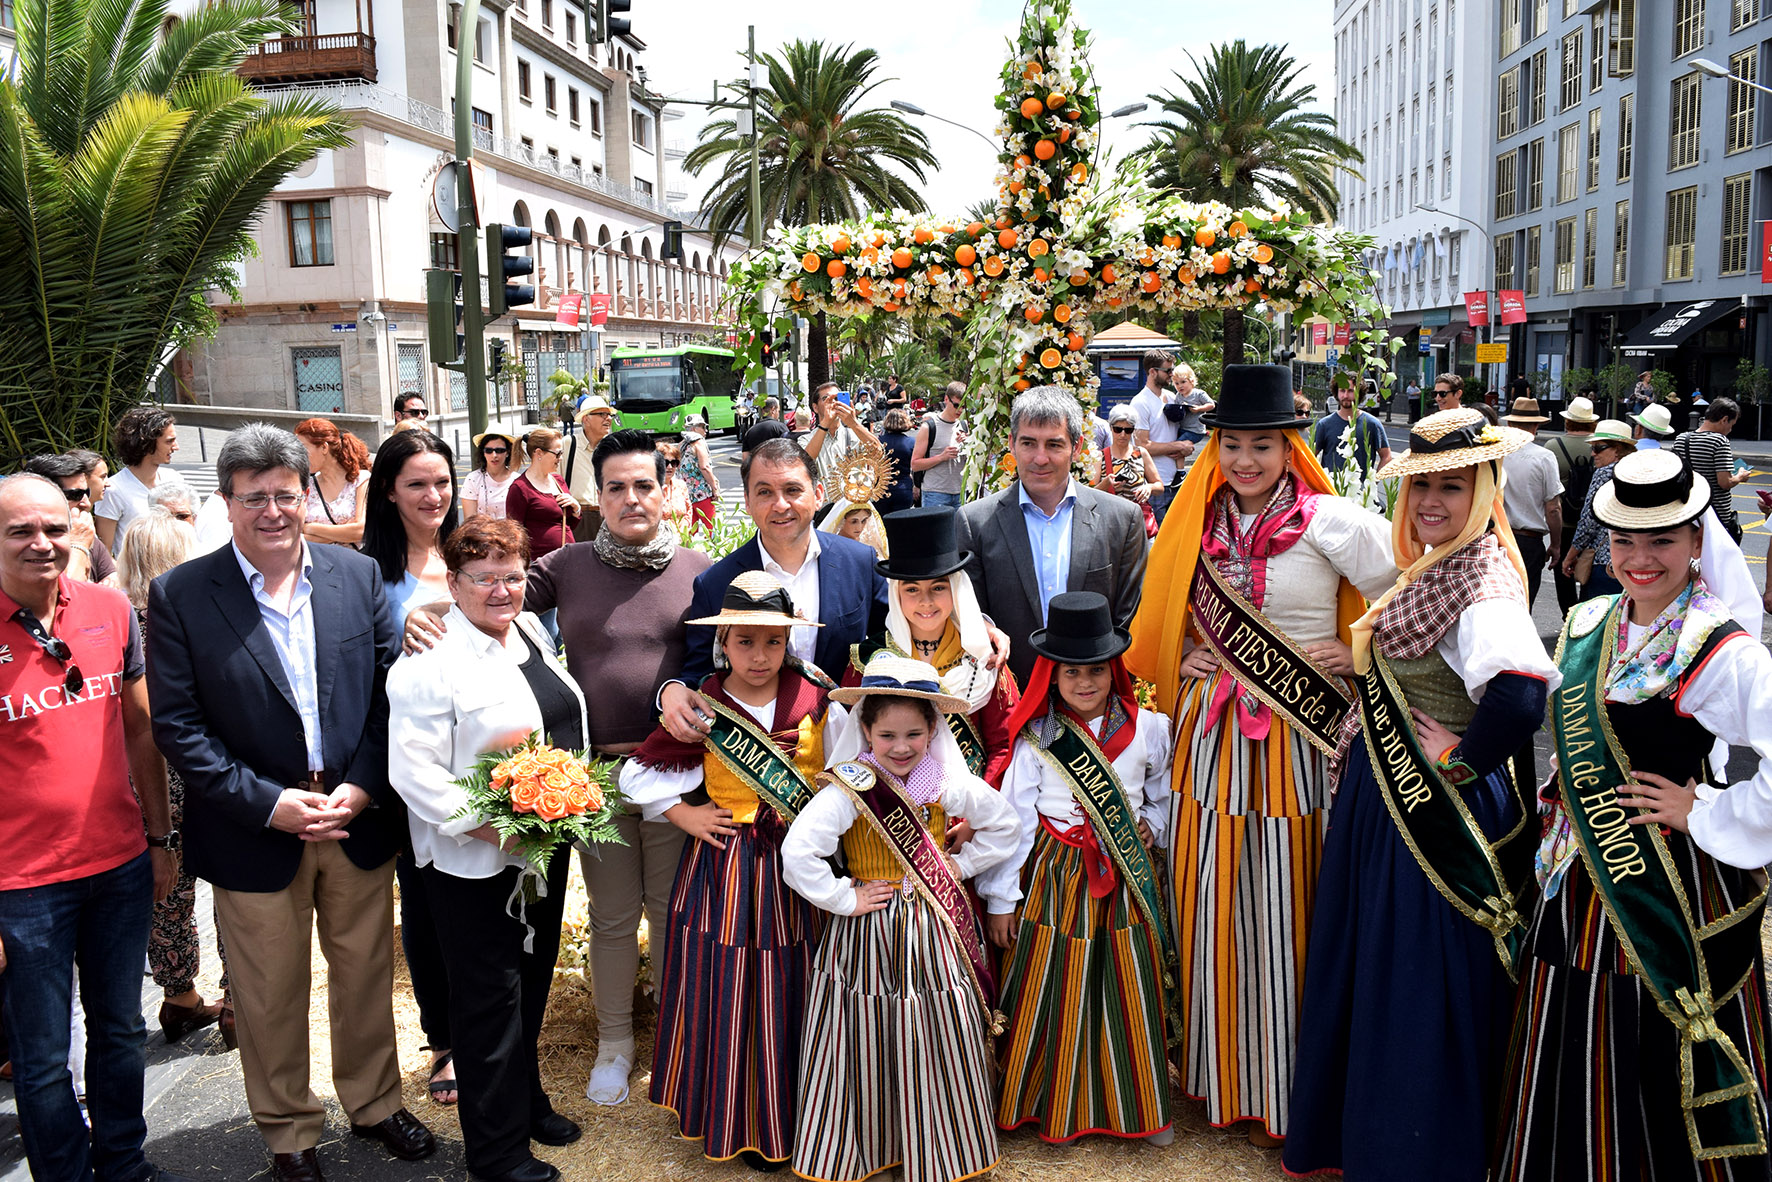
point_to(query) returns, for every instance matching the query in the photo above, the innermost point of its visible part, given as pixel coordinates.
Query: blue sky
(945, 54)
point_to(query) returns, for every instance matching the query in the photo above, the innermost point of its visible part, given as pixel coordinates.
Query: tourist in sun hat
(1418, 905)
(1575, 471)
(1579, 410)
(1614, 1015)
(1089, 782)
(498, 460)
(1654, 426)
(1533, 495)
(894, 1061)
(1250, 792)
(1589, 553)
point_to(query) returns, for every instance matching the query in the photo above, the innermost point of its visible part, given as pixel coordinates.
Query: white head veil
(969, 679)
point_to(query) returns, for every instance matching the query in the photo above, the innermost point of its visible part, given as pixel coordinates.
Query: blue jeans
(931, 499)
(98, 925)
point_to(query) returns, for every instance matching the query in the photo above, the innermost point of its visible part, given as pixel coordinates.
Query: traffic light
(501, 267)
(443, 317)
(497, 365)
(766, 340)
(673, 241)
(610, 27)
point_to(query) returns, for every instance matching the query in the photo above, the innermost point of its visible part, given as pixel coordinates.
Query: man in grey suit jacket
(1046, 533)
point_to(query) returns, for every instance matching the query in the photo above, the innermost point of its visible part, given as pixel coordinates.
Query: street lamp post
(1490, 297)
(1705, 66)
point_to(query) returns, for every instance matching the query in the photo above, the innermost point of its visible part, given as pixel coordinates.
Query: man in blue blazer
(267, 681)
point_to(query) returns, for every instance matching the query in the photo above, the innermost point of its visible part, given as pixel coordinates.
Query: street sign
(444, 202)
(1492, 354)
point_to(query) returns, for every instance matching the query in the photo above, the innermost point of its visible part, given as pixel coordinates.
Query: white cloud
(944, 55)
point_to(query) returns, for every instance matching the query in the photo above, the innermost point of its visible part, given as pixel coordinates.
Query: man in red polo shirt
(78, 880)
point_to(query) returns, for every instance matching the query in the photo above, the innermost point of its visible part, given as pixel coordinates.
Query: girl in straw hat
(738, 949)
(1084, 988)
(1427, 867)
(1589, 558)
(932, 615)
(894, 1060)
(1251, 779)
(1640, 1030)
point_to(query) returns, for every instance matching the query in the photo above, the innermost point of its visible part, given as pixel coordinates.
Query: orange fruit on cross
(1263, 253)
(1062, 313)
(993, 266)
(809, 261)
(890, 306)
(1109, 274)
(1004, 222)
(1184, 274)
(1045, 149)
(965, 254)
(1172, 240)
(1040, 275)
(947, 229)
(840, 244)
(898, 288)
(1038, 247)
(1074, 342)
(1079, 278)
(1031, 71)
(1151, 281)
(836, 269)
(878, 240)
(1073, 114)
(1033, 314)
(975, 229)
(922, 236)
(934, 273)
(1021, 384)
(1114, 301)
(864, 287)
(1051, 358)
(1055, 100)
(965, 276)
(1023, 160)
(1064, 135)
(1221, 262)
(1079, 172)
(794, 290)
(1016, 186)
(1147, 256)
(901, 257)
(1031, 107)
(1204, 237)
(1007, 239)
(1237, 229)
(1252, 285)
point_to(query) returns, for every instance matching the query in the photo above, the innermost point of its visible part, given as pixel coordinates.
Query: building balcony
(326, 57)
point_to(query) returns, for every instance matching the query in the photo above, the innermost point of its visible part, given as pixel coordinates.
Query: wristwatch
(170, 842)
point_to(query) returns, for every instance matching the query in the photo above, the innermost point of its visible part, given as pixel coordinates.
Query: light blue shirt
(1050, 540)
(292, 635)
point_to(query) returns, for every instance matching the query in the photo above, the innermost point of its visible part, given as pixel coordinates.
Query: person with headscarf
(1289, 561)
(859, 523)
(1427, 868)
(932, 615)
(1640, 1028)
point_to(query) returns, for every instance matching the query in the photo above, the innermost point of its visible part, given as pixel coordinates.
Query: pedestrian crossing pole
(467, 238)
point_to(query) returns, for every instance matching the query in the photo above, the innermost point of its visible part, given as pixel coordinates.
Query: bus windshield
(655, 381)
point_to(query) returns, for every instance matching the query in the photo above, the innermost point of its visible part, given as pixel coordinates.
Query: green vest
(1430, 685)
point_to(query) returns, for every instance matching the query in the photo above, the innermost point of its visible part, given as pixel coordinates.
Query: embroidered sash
(1485, 881)
(746, 750)
(971, 741)
(1689, 967)
(882, 803)
(1266, 662)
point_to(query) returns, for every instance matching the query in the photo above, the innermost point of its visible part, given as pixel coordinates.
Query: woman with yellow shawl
(1232, 643)
(1427, 875)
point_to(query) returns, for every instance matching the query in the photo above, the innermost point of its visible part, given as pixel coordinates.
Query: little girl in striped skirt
(894, 1059)
(1084, 991)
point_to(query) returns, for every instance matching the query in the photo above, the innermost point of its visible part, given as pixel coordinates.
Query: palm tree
(133, 165)
(822, 155)
(1241, 132)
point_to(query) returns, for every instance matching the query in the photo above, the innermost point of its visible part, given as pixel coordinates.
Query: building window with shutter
(310, 233)
(1620, 243)
(1593, 149)
(1570, 78)
(445, 251)
(523, 80)
(1688, 26)
(1589, 247)
(1568, 162)
(1512, 25)
(1621, 38)
(1538, 68)
(1534, 239)
(1564, 277)
(1743, 13)
(1504, 262)
(1507, 104)
(1534, 153)
(1737, 224)
(1682, 232)
(1682, 122)
(1596, 66)
(1627, 111)
(1744, 71)
(1506, 184)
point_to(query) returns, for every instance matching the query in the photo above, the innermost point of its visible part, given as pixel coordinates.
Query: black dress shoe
(533, 1170)
(403, 1135)
(554, 1129)
(297, 1167)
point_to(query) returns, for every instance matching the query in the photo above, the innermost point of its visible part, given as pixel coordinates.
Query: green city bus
(656, 389)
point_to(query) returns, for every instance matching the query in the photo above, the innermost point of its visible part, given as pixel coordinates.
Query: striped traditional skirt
(1593, 1068)
(1246, 842)
(894, 1068)
(732, 997)
(1083, 993)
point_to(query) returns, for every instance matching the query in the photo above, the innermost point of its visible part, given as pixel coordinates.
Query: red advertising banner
(1342, 333)
(1476, 308)
(1766, 253)
(599, 308)
(570, 308)
(1513, 306)
(1320, 331)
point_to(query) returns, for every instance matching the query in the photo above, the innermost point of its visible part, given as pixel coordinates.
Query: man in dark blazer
(267, 681)
(1047, 533)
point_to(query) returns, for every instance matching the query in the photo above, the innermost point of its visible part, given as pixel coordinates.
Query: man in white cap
(1574, 454)
(596, 418)
(1654, 427)
(1533, 494)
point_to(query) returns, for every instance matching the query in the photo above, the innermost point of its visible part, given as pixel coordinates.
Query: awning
(1405, 331)
(1447, 333)
(1674, 325)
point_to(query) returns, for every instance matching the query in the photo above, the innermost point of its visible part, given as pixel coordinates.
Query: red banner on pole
(570, 308)
(1320, 330)
(1766, 252)
(1342, 333)
(599, 308)
(1513, 306)
(1476, 308)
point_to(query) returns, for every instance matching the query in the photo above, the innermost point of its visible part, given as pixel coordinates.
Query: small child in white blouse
(894, 1060)
(1084, 991)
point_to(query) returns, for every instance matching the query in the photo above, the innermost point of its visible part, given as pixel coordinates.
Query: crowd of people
(1187, 780)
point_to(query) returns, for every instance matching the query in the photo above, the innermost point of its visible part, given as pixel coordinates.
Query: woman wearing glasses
(496, 456)
(490, 681)
(538, 500)
(1128, 469)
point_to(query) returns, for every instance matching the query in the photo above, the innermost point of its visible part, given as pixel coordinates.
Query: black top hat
(1255, 398)
(922, 545)
(1079, 630)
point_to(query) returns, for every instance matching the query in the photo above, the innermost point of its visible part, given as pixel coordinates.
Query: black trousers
(1568, 590)
(1532, 554)
(497, 996)
(424, 956)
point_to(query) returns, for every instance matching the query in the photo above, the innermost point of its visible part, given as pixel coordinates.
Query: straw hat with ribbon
(1651, 491)
(1450, 439)
(1655, 419)
(893, 676)
(1580, 410)
(1612, 431)
(757, 598)
(1525, 411)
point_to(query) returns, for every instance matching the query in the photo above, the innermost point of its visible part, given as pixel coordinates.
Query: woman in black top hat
(1640, 1028)
(933, 616)
(1288, 561)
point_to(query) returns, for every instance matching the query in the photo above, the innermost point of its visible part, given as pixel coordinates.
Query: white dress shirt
(447, 706)
(1049, 538)
(803, 590)
(1034, 790)
(292, 634)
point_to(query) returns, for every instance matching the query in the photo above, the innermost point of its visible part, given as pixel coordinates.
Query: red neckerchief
(1241, 555)
(1039, 700)
(795, 698)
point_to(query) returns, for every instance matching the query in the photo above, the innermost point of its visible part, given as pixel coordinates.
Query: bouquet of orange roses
(538, 797)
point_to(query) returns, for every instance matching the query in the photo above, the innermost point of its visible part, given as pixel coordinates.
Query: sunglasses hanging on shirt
(55, 646)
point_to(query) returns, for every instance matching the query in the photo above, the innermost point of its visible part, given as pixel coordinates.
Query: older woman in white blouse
(491, 680)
